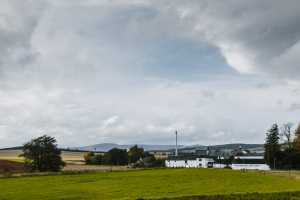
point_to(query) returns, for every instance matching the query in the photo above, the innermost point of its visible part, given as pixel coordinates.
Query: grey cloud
(76, 70)
(253, 36)
(16, 31)
(294, 107)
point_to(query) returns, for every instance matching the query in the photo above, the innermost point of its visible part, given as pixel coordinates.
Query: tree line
(135, 156)
(282, 147)
(42, 154)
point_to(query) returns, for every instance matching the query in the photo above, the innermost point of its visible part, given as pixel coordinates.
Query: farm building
(161, 154)
(249, 162)
(196, 163)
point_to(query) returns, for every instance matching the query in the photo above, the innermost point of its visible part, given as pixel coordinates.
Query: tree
(297, 139)
(98, 159)
(272, 146)
(135, 153)
(287, 135)
(116, 156)
(42, 154)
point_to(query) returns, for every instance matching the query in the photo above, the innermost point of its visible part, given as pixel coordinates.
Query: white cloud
(78, 70)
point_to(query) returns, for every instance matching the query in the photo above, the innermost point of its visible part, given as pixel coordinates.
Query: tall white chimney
(176, 150)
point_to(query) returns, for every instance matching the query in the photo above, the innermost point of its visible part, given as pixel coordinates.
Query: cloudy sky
(133, 71)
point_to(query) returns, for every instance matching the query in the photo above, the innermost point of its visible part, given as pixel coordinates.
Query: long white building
(197, 163)
(249, 163)
(239, 163)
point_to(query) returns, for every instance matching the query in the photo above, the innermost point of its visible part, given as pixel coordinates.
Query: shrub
(88, 157)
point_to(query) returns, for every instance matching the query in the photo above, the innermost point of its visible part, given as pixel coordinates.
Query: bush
(150, 161)
(91, 158)
(88, 157)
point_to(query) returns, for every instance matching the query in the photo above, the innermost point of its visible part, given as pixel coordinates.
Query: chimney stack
(176, 150)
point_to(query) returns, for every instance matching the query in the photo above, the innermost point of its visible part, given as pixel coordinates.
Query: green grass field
(143, 184)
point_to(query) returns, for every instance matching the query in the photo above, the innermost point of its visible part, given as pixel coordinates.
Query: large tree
(287, 135)
(116, 156)
(135, 153)
(272, 147)
(42, 154)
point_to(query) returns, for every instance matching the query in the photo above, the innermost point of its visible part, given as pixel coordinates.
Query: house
(197, 150)
(161, 154)
(190, 163)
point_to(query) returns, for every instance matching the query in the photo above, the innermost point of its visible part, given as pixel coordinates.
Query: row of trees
(136, 157)
(42, 154)
(286, 154)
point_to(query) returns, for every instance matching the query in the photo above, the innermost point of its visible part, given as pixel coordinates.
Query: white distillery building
(249, 163)
(197, 163)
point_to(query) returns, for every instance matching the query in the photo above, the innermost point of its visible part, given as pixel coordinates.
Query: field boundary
(292, 195)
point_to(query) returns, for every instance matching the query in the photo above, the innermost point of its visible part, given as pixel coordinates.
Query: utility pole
(176, 150)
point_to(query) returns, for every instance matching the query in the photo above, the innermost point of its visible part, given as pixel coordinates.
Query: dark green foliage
(88, 157)
(113, 157)
(149, 161)
(135, 156)
(116, 157)
(288, 159)
(92, 158)
(297, 139)
(98, 159)
(135, 153)
(42, 154)
(272, 146)
(282, 156)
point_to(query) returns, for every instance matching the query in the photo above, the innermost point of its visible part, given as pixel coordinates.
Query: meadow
(156, 183)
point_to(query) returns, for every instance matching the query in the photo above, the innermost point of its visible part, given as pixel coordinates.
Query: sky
(134, 71)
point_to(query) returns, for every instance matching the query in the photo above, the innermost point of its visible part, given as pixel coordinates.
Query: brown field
(68, 157)
(74, 162)
(7, 166)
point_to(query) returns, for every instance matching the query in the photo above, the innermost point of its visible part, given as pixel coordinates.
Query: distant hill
(13, 148)
(108, 146)
(104, 147)
(236, 146)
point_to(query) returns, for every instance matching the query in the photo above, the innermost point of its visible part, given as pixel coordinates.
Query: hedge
(247, 196)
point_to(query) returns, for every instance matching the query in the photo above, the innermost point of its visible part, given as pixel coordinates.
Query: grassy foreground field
(143, 184)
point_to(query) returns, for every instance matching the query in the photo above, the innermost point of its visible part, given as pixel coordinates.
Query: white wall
(263, 167)
(203, 163)
(198, 163)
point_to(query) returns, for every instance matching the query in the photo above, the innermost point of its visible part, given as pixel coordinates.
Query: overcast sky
(133, 71)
